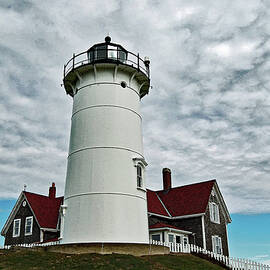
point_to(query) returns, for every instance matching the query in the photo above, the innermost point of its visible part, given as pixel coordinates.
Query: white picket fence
(233, 263)
(46, 244)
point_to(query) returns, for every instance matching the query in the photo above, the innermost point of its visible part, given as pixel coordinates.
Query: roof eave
(178, 217)
(227, 214)
(12, 214)
(169, 229)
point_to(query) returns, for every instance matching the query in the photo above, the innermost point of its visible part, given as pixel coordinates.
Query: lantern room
(107, 50)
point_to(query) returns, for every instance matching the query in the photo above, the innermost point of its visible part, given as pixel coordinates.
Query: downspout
(203, 233)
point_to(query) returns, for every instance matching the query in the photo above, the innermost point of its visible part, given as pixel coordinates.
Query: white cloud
(206, 116)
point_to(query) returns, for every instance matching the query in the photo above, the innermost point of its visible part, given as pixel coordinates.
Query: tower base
(109, 248)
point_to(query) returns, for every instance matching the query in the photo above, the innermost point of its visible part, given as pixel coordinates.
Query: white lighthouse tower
(105, 195)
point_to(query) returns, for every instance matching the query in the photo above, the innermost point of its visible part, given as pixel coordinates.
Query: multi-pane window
(185, 240)
(178, 239)
(170, 238)
(16, 227)
(156, 237)
(139, 176)
(28, 225)
(214, 212)
(217, 244)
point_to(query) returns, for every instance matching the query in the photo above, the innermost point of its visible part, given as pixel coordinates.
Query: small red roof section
(154, 205)
(161, 225)
(46, 209)
(185, 200)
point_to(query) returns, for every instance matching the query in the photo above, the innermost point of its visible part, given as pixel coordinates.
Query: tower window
(140, 164)
(28, 225)
(16, 227)
(139, 176)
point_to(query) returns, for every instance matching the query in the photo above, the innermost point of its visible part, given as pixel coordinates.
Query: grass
(27, 259)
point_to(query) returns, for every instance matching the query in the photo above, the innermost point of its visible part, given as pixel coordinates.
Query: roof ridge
(202, 182)
(32, 193)
(36, 194)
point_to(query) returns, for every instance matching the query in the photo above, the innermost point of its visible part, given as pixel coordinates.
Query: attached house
(195, 214)
(34, 218)
(190, 214)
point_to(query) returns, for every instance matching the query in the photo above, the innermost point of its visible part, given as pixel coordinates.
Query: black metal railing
(108, 55)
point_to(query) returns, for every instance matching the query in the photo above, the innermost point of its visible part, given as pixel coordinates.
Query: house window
(214, 212)
(139, 176)
(156, 237)
(170, 238)
(28, 225)
(16, 227)
(217, 244)
(178, 239)
(185, 240)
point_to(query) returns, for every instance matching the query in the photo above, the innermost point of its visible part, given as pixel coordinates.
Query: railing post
(138, 63)
(73, 61)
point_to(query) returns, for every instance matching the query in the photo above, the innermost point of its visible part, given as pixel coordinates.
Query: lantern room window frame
(108, 51)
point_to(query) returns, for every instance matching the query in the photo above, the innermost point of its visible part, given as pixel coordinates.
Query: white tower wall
(102, 202)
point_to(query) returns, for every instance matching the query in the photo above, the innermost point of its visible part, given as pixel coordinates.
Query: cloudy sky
(206, 117)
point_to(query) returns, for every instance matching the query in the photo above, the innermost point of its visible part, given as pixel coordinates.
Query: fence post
(73, 61)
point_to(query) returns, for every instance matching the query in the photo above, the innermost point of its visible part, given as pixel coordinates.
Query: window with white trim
(28, 225)
(139, 176)
(156, 237)
(16, 227)
(217, 244)
(214, 212)
(171, 238)
(178, 239)
(185, 240)
(140, 164)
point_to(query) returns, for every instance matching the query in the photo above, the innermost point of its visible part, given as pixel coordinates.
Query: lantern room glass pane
(122, 55)
(112, 52)
(90, 55)
(101, 52)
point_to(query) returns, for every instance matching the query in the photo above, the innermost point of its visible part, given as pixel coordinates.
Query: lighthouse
(105, 193)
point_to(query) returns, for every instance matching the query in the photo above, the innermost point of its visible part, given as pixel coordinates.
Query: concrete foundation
(109, 248)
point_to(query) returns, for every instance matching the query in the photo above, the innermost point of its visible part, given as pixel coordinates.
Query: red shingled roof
(45, 209)
(185, 200)
(154, 205)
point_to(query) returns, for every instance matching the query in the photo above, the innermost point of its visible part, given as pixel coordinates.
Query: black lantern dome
(107, 51)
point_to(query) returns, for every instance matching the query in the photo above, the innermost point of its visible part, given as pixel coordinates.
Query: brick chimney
(52, 191)
(167, 182)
